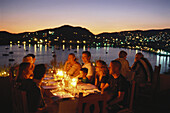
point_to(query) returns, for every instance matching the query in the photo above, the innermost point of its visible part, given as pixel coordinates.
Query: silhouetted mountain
(77, 35)
(65, 32)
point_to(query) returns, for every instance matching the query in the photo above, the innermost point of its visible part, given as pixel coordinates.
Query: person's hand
(102, 91)
(67, 62)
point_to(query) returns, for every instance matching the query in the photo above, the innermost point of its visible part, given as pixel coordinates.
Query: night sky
(98, 16)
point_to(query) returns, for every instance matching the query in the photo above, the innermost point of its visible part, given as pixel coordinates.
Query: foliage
(4, 70)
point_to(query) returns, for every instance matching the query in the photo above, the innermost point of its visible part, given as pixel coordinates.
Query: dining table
(63, 92)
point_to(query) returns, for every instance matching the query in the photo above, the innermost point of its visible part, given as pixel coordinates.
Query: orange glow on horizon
(95, 31)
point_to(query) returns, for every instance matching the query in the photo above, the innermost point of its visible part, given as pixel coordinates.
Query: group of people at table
(112, 81)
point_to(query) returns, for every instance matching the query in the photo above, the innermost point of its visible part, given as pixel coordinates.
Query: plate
(48, 78)
(86, 86)
(50, 87)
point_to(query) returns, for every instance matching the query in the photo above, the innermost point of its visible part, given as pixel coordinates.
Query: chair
(85, 103)
(130, 100)
(13, 73)
(150, 91)
(19, 100)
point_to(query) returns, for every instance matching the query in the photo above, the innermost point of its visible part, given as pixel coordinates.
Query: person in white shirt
(125, 68)
(86, 56)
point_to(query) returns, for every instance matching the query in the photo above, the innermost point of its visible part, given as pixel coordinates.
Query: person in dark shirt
(101, 75)
(116, 87)
(83, 73)
(33, 89)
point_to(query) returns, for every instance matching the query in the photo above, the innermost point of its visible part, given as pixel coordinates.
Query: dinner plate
(50, 87)
(48, 78)
(86, 86)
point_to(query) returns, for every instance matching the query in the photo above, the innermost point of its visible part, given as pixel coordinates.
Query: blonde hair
(104, 68)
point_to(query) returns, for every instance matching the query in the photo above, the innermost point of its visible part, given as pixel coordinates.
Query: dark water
(44, 54)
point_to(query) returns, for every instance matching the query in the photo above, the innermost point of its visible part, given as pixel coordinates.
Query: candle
(74, 82)
(60, 74)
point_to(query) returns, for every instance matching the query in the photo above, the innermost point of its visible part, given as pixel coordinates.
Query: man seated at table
(33, 57)
(72, 67)
(116, 87)
(83, 74)
(86, 56)
(33, 89)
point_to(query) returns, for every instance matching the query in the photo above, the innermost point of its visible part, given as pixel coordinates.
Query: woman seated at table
(33, 89)
(102, 73)
(25, 71)
(72, 67)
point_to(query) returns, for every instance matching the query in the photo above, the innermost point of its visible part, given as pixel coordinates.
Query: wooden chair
(20, 103)
(150, 91)
(131, 93)
(19, 100)
(98, 101)
(13, 72)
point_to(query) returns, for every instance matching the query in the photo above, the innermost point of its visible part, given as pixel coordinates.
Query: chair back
(131, 92)
(132, 95)
(156, 79)
(98, 101)
(13, 73)
(19, 100)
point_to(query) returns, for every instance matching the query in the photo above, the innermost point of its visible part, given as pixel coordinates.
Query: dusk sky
(98, 16)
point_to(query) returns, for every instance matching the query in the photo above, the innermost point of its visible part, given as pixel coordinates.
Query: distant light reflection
(40, 48)
(35, 48)
(70, 46)
(78, 48)
(84, 47)
(108, 49)
(157, 59)
(53, 48)
(63, 47)
(45, 48)
(24, 46)
(136, 51)
(11, 45)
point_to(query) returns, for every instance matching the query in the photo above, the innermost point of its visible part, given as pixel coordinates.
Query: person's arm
(90, 72)
(104, 80)
(73, 69)
(67, 66)
(134, 66)
(95, 79)
(104, 87)
(119, 98)
(128, 66)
